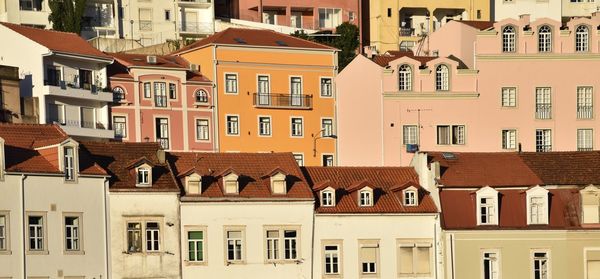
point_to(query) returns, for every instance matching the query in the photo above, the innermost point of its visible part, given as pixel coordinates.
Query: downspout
(216, 101)
(312, 246)
(452, 254)
(106, 229)
(180, 236)
(382, 119)
(23, 177)
(435, 240)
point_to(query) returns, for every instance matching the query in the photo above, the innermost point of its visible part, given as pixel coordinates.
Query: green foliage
(67, 15)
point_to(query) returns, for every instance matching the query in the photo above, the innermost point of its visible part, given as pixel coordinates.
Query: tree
(67, 15)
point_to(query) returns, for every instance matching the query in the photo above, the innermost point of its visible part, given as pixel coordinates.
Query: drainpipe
(312, 246)
(107, 229)
(435, 240)
(23, 177)
(215, 94)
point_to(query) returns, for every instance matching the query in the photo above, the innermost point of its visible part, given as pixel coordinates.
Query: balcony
(164, 143)
(585, 112)
(85, 128)
(285, 101)
(407, 31)
(543, 111)
(62, 89)
(195, 3)
(196, 27)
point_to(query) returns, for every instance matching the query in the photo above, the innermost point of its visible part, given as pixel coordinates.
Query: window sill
(228, 263)
(6, 252)
(295, 261)
(194, 263)
(74, 252)
(30, 252)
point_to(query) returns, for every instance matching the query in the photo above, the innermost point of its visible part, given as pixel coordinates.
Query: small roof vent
(151, 59)
(449, 156)
(281, 43)
(240, 40)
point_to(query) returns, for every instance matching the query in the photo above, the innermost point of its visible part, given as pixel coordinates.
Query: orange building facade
(274, 93)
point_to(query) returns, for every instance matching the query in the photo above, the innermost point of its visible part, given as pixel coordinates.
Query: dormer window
(327, 198)
(487, 206)
(143, 176)
(537, 206)
(230, 183)
(278, 183)
(590, 203)
(2, 155)
(366, 197)
(410, 197)
(193, 184)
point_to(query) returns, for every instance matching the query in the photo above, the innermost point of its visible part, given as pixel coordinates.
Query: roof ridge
(38, 29)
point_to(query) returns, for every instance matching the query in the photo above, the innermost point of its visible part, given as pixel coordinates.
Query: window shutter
(423, 263)
(406, 259)
(368, 254)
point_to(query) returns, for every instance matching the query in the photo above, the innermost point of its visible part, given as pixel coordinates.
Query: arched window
(201, 96)
(545, 39)
(118, 94)
(508, 39)
(441, 78)
(405, 78)
(581, 38)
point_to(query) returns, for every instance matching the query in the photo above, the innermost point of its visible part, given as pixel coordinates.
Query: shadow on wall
(26, 86)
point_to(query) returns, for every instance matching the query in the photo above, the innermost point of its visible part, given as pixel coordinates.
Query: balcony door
(296, 19)
(88, 118)
(85, 79)
(296, 91)
(191, 21)
(162, 132)
(264, 90)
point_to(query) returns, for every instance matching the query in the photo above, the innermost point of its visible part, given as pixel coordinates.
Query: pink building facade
(526, 86)
(161, 99)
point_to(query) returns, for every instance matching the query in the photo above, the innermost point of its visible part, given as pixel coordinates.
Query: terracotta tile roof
(385, 59)
(459, 210)
(252, 168)
(480, 25)
(21, 141)
(254, 37)
(56, 41)
(565, 168)
(116, 156)
(120, 69)
(383, 179)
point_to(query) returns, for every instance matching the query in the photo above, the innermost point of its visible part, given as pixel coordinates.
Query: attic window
(590, 202)
(240, 40)
(537, 206)
(280, 43)
(327, 198)
(366, 198)
(193, 186)
(278, 183)
(69, 163)
(143, 176)
(410, 198)
(230, 183)
(487, 206)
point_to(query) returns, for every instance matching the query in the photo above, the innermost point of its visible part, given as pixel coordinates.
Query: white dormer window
(537, 206)
(143, 176)
(366, 197)
(2, 155)
(327, 198)
(69, 163)
(410, 197)
(487, 206)
(590, 203)
(278, 183)
(193, 184)
(230, 183)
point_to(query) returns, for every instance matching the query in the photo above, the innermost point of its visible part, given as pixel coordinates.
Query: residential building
(32, 13)
(101, 18)
(274, 92)
(399, 25)
(52, 208)
(482, 102)
(539, 221)
(10, 98)
(161, 99)
(559, 10)
(144, 210)
(68, 79)
(374, 222)
(244, 215)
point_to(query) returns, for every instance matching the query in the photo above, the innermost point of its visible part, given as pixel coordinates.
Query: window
(592, 264)
(160, 94)
(152, 237)
(368, 258)
(69, 163)
(162, 132)
(143, 176)
(326, 87)
(366, 198)
(509, 97)
(327, 198)
(441, 78)
(233, 125)
(145, 19)
(490, 265)
(537, 210)
(31, 5)
(297, 127)
(450, 134)
(404, 78)
(202, 129)
(36, 233)
(85, 79)
(201, 96)
(329, 18)
(72, 231)
(487, 211)
(193, 184)
(56, 113)
(120, 126)
(134, 237)
(273, 245)
(410, 198)
(332, 259)
(543, 140)
(290, 240)
(590, 203)
(581, 38)
(234, 246)
(414, 258)
(231, 183)
(279, 183)
(231, 83)
(545, 39)
(327, 127)
(299, 159)
(296, 91)
(543, 103)
(585, 105)
(167, 15)
(195, 246)
(172, 91)
(264, 90)
(88, 119)
(147, 90)
(509, 39)
(53, 75)
(585, 138)
(509, 139)
(541, 263)
(3, 232)
(264, 126)
(327, 160)
(410, 134)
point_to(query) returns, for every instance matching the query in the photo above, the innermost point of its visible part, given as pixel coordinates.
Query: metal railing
(584, 149)
(164, 142)
(145, 25)
(543, 111)
(194, 1)
(543, 148)
(78, 123)
(407, 31)
(270, 100)
(585, 112)
(160, 101)
(196, 27)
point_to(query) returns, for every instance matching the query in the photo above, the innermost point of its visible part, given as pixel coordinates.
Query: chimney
(370, 51)
(160, 154)
(194, 68)
(151, 59)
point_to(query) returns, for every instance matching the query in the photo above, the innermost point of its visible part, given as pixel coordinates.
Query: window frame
(44, 230)
(228, 130)
(201, 139)
(234, 81)
(585, 102)
(545, 38)
(204, 97)
(492, 194)
(407, 135)
(299, 157)
(124, 117)
(282, 243)
(537, 192)
(266, 131)
(498, 262)
(138, 171)
(405, 78)
(581, 38)
(154, 241)
(172, 91)
(414, 244)
(325, 158)
(242, 230)
(292, 124)
(69, 163)
(340, 257)
(533, 259)
(204, 241)
(143, 221)
(442, 78)
(80, 249)
(368, 197)
(544, 135)
(582, 142)
(324, 193)
(406, 197)
(321, 91)
(509, 39)
(6, 236)
(450, 137)
(510, 90)
(506, 144)
(371, 244)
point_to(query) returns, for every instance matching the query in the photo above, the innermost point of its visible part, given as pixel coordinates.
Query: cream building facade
(559, 10)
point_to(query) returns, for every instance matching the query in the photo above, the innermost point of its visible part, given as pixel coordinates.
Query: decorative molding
(430, 95)
(570, 56)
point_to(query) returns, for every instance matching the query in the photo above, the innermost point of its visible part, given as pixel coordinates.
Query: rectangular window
(235, 245)
(509, 139)
(277, 237)
(167, 15)
(509, 97)
(88, 119)
(56, 113)
(162, 132)
(233, 125)
(541, 263)
(152, 237)
(195, 246)
(593, 263)
(368, 259)
(487, 211)
(290, 240)
(202, 129)
(537, 210)
(85, 79)
(327, 160)
(69, 163)
(3, 232)
(36, 233)
(299, 159)
(296, 91)
(53, 75)
(120, 126)
(172, 91)
(410, 134)
(147, 90)
(543, 140)
(414, 258)
(134, 237)
(273, 245)
(160, 94)
(231, 83)
(264, 90)
(490, 265)
(327, 127)
(451, 134)
(332, 259)
(143, 175)
(264, 126)
(326, 87)
(329, 18)
(585, 139)
(297, 127)
(585, 107)
(543, 103)
(145, 19)
(72, 230)
(31, 5)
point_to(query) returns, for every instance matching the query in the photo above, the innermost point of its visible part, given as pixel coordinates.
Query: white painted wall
(537, 9)
(254, 216)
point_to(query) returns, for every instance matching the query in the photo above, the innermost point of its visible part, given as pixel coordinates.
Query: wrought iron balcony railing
(290, 101)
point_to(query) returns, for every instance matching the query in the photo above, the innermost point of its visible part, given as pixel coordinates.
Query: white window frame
(582, 38)
(460, 139)
(370, 270)
(490, 194)
(545, 39)
(496, 263)
(332, 255)
(509, 139)
(410, 134)
(327, 197)
(143, 230)
(442, 77)
(152, 237)
(230, 128)
(294, 127)
(410, 197)
(203, 241)
(405, 77)
(509, 97)
(548, 264)
(585, 102)
(365, 197)
(202, 131)
(323, 90)
(327, 128)
(141, 179)
(239, 245)
(39, 229)
(69, 162)
(539, 208)
(543, 103)
(203, 93)
(414, 245)
(234, 82)
(326, 158)
(5, 233)
(124, 123)
(265, 129)
(299, 157)
(76, 238)
(543, 140)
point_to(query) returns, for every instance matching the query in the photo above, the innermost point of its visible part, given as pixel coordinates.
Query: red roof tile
(383, 179)
(251, 167)
(384, 60)
(480, 25)
(123, 61)
(565, 168)
(56, 41)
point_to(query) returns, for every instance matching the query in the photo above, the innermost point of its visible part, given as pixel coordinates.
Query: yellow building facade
(273, 93)
(395, 25)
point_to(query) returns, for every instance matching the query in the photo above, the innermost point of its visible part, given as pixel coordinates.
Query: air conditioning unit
(151, 59)
(412, 148)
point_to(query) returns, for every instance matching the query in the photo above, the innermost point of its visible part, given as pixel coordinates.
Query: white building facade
(559, 10)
